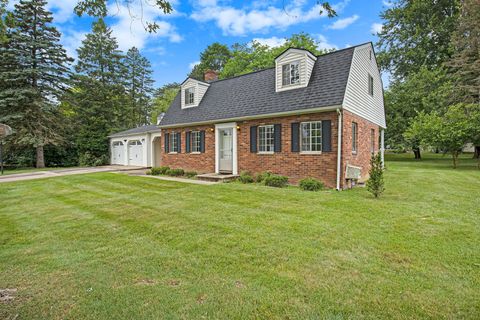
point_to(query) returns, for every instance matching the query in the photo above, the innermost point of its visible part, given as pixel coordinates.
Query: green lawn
(108, 245)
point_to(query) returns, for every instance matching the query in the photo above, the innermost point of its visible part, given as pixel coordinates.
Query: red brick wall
(294, 165)
(199, 162)
(363, 155)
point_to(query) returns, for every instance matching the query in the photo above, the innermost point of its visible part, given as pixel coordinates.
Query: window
(354, 137)
(266, 138)
(311, 136)
(173, 142)
(190, 96)
(370, 54)
(291, 73)
(372, 141)
(370, 85)
(195, 141)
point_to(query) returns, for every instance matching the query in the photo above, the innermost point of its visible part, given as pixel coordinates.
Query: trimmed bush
(262, 176)
(190, 174)
(148, 172)
(155, 171)
(163, 169)
(274, 180)
(311, 184)
(175, 172)
(245, 177)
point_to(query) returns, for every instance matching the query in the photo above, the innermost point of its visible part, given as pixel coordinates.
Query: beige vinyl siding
(305, 68)
(200, 90)
(357, 98)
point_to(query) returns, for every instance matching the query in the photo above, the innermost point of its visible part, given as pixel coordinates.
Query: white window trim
(232, 125)
(192, 141)
(258, 139)
(192, 104)
(171, 137)
(289, 64)
(301, 138)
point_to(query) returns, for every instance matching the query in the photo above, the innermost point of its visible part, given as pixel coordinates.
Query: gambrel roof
(254, 94)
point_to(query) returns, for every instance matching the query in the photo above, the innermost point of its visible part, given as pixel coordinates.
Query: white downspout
(339, 148)
(382, 146)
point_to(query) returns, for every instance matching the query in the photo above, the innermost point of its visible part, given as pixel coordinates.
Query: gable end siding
(357, 98)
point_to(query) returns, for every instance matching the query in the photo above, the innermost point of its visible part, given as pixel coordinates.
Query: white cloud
(62, 9)
(241, 21)
(387, 3)
(130, 22)
(193, 64)
(376, 28)
(271, 42)
(323, 43)
(343, 23)
(71, 40)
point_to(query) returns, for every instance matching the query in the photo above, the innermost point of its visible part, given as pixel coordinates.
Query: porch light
(238, 128)
(211, 129)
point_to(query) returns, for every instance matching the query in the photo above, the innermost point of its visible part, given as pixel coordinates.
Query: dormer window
(189, 96)
(291, 73)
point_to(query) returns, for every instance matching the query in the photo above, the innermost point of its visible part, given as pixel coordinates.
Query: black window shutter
(179, 142)
(295, 137)
(187, 141)
(166, 142)
(202, 141)
(277, 142)
(326, 135)
(253, 139)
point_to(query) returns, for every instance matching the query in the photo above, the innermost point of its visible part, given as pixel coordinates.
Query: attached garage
(135, 147)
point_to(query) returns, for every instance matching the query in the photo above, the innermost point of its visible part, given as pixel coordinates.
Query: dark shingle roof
(139, 130)
(254, 94)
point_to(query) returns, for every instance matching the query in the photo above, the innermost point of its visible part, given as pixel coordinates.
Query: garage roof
(134, 131)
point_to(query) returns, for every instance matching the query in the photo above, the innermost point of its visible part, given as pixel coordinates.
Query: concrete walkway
(141, 173)
(64, 172)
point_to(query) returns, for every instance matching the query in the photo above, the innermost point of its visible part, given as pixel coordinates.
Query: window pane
(295, 72)
(265, 138)
(311, 136)
(285, 74)
(354, 136)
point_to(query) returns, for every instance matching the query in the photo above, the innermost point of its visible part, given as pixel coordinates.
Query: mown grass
(108, 245)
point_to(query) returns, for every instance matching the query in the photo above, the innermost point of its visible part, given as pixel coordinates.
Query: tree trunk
(476, 154)
(416, 152)
(454, 158)
(40, 157)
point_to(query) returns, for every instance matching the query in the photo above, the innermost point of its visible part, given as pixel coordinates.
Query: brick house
(309, 116)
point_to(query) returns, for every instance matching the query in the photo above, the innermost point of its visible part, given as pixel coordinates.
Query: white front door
(135, 153)
(226, 150)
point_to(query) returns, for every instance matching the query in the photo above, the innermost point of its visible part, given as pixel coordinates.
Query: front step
(216, 177)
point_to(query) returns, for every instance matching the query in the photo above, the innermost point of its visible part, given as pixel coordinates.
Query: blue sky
(175, 48)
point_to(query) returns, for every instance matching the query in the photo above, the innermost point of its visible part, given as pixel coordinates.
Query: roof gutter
(260, 116)
(133, 134)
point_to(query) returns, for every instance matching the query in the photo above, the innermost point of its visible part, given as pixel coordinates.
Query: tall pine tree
(465, 63)
(139, 87)
(34, 75)
(98, 96)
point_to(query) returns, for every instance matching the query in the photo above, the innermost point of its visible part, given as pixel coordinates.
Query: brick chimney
(210, 75)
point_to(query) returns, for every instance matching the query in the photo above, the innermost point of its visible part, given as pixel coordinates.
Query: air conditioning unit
(353, 173)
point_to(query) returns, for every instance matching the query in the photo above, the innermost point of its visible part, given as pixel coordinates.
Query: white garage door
(135, 153)
(118, 153)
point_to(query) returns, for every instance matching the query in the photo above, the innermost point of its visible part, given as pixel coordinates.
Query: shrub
(155, 171)
(163, 170)
(175, 172)
(190, 174)
(375, 184)
(311, 184)
(88, 159)
(245, 177)
(148, 172)
(262, 176)
(274, 180)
